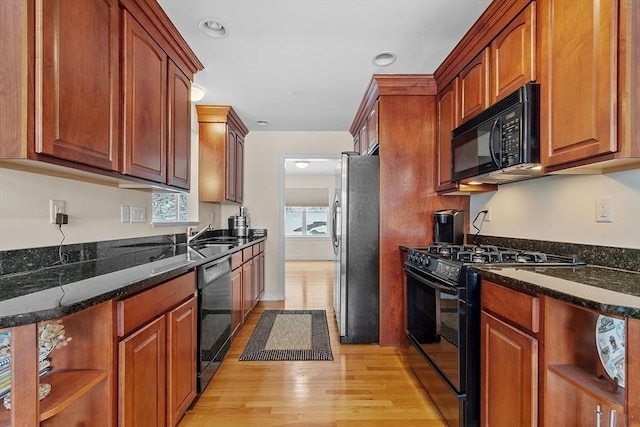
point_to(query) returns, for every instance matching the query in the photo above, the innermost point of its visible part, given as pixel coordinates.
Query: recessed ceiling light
(262, 122)
(213, 27)
(197, 92)
(384, 59)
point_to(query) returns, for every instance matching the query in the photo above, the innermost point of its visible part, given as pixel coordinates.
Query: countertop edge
(537, 288)
(121, 290)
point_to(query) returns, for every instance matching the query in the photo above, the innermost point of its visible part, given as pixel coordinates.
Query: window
(170, 207)
(306, 221)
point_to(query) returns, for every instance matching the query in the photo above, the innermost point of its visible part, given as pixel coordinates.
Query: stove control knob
(426, 261)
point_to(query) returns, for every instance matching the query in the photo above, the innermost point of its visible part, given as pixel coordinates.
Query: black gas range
(443, 319)
(445, 261)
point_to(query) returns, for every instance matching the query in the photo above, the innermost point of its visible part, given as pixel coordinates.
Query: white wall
(93, 209)
(562, 208)
(263, 151)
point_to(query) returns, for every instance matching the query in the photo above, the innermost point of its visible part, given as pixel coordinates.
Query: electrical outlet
(603, 210)
(55, 207)
(487, 217)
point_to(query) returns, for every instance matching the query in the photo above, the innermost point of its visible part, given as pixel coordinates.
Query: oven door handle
(445, 289)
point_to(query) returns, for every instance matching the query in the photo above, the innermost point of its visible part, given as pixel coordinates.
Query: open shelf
(585, 380)
(67, 385)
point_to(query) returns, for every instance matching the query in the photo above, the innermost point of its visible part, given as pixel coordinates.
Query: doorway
(306, 192)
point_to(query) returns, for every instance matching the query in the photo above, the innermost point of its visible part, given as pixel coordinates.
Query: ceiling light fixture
(262, 122)
(213, 27)
(197, 92)
(301, 163)
(384, 59)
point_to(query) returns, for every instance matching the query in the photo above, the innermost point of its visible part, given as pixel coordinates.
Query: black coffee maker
(449, 226)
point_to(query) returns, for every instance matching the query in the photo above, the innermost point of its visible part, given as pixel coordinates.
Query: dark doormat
(289, 335)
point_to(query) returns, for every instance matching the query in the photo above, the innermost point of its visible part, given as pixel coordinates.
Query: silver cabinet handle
(598, 416)
(612, 418)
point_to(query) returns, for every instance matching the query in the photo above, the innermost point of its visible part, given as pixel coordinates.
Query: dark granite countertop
(604, 289)
(49, 292)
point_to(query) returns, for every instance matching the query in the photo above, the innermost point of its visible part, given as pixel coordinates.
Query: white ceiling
(304, 65)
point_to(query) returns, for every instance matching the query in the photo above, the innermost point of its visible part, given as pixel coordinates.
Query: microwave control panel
(511, 137)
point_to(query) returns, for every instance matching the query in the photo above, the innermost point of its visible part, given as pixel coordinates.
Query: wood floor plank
(364, 385)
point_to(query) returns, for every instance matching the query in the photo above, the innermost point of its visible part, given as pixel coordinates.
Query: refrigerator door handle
(335, 215)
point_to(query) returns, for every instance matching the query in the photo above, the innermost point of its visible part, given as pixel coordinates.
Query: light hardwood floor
(364, 385)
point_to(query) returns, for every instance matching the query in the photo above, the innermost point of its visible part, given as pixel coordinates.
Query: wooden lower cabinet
(142, 377)
(181, 362)
(237, 314)
(576, 408)
(157, 354)
(510, 322)
(509, 375)
(247, 287)
(574, 389)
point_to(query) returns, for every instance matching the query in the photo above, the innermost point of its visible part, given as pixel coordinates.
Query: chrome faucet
(190, 237)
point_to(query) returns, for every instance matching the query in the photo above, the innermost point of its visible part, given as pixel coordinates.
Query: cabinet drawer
(256, 249)
(137, 310)
(519, 308)
(247, 254)
(236, 260)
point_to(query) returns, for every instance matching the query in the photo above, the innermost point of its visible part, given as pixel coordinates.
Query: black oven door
(435, 312)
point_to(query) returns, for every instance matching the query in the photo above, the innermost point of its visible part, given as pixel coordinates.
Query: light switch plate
(138, 214)
(125, 214)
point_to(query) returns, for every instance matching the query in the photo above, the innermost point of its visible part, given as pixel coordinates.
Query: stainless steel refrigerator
(355, 235)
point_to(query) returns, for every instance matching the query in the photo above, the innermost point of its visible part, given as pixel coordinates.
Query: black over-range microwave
(501, 144)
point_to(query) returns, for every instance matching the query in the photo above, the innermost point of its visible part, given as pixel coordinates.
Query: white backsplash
(562, 208)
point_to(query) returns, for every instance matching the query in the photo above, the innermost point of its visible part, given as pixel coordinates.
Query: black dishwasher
(214, 312)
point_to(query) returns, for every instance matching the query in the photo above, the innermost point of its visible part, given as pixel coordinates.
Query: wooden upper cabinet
(179, 128)
(221, 154)
(77, 102)
(578, 79)
(56, 82)
(239, 170)
(145, 88)
(100, 86)
(513, 60)
(372, 129)
(447, 121)
(474, 87)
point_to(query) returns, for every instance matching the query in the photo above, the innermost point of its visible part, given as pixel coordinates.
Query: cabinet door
(78, 60)
(513, 61)
(372, 127)
(247, 287)
(239, 168)
(179, 126)
(578, 80)
(181, 363)
(447, 121)
(509, 377)
(237, 314)
(142, 377)
(570, 406)
(231, 167)
(261, 274)
(474, 90)
(145, 87)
